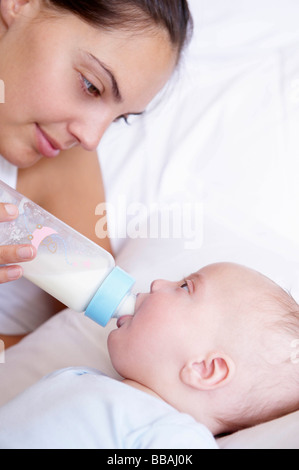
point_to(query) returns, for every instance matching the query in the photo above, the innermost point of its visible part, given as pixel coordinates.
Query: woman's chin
(23, 159)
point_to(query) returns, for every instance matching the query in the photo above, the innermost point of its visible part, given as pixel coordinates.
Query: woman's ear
(209, 373)
(10, 8)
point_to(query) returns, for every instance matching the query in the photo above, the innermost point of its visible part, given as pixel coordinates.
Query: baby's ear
(209, 373)
(10, 8)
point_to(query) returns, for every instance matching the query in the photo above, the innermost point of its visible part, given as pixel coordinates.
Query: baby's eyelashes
(188, 285)
(185, 286)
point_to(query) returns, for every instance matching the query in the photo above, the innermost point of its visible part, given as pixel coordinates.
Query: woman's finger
(8, 212)
(16, 253)
(10, 273)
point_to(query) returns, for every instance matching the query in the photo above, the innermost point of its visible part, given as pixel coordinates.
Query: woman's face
(66, 82)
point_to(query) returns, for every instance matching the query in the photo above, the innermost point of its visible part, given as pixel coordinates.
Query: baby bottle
(68, 266)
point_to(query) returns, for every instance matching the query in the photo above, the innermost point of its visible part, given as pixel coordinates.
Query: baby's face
(175, 320)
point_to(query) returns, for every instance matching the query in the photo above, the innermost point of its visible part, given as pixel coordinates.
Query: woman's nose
(89, 132)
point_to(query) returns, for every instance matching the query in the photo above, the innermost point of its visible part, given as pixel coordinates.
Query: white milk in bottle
(68, 266)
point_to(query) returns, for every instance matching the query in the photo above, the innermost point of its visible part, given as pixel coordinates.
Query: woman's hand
(12, 253)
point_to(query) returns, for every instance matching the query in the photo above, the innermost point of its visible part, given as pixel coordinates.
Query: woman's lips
(45, 145)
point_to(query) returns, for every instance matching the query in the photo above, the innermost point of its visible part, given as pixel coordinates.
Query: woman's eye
(89, 88)
(124, 117)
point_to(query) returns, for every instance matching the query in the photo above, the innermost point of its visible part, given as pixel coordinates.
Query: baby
(208, 355)
(217, 346)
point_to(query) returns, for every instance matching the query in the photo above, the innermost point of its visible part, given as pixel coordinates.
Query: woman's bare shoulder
(70, 187)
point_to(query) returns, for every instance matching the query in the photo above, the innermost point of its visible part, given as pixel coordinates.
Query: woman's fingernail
(25, 252)
(14, 273)
(11, 209)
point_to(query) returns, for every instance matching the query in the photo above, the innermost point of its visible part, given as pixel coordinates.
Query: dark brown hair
(134, 15)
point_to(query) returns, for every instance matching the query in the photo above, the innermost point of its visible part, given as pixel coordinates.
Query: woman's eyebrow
(115, 88)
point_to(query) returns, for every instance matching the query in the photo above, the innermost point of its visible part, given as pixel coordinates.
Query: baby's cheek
(120, 351)
(114, 347)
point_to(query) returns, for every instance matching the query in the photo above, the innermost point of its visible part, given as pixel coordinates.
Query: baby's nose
(159, 284)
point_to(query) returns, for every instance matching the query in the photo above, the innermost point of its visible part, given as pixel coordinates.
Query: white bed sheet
(225, 133)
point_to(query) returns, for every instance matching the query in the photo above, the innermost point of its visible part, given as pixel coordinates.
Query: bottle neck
(110, 295)
(126, 307)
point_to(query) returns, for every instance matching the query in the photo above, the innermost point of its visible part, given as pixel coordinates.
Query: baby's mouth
(123, 320)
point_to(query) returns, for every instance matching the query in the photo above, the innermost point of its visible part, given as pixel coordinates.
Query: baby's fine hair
(274, 391)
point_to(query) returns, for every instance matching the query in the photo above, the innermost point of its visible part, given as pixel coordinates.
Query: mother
(70, 69)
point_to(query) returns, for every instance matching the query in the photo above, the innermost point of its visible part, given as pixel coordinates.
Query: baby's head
(217, 345)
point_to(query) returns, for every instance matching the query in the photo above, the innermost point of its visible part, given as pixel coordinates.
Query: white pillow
(277, 434)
